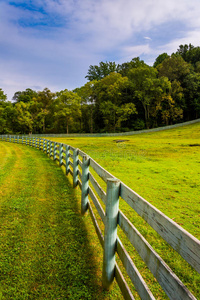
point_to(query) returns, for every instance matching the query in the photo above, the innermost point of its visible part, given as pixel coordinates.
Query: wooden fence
(81, 167)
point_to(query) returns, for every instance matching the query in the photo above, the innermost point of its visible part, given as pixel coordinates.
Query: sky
(52, 43)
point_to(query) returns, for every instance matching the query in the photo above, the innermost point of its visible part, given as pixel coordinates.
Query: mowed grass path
(47, 249)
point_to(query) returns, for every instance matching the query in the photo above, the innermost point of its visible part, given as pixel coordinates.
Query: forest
(116, 98)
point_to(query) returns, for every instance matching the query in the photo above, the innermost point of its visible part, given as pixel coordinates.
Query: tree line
(116, 98)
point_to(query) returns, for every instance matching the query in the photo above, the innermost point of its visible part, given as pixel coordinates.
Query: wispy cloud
(52, 43)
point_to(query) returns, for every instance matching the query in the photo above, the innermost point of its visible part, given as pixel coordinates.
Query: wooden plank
(97, 205)
(85, 184)
(135, 276)
(170, 283)
(100, 170)
(126, 292)
(96, 225)
(75, 168)
(70, 155)
(97, 188)
(71, 148)
(182, 241)
(71, 163)
(81, 153)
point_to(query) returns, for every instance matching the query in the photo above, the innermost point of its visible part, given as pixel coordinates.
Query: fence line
(177, 125)
(81, 166)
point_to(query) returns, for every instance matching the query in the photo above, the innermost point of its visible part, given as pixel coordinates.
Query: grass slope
(164, 168)
(47, 250)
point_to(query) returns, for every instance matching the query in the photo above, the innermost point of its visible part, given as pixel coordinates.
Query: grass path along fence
(46, 251)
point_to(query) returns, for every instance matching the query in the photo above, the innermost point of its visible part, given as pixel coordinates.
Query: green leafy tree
(25, 96)
(149, 89)
(124, 68)
(185, 51)
(125, 112)
(4, 127)
(160, 59)
(23, 117)
(109, 98)
(88, 99)
(174, 68)
(3, 97)
(67, 109)
(98, 72)
(46, 99)
(192, 95)
(169, 111)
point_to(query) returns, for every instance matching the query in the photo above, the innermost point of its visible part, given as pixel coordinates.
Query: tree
(192, 95)
(124, 68)
(23, 118)
(3, 97)
(160, 59)
(169, 111)
(109, 94)
(174, 68)
(25, 96)
(98, 72)
(67, 109)
(88, 98)
(149, 89)
(46, 99)
(125, 112)
(185, 51)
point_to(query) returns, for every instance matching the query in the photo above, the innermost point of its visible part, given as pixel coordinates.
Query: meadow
(164, 168)
(49, 251)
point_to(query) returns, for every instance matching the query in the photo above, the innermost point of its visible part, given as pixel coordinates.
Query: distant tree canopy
(117, 97)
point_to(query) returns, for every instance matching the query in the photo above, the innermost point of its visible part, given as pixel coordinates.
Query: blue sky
(52, 43)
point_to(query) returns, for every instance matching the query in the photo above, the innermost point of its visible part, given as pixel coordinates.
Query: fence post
(60, 154)
(54, 151)
(85, 179)
(110, 235)
(75, 168)
(44, 142)
(50, 154)
(67, 159)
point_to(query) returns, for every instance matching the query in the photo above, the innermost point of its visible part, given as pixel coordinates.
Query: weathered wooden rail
(81, 167)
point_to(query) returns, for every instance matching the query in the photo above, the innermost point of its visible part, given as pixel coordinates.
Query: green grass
(47, 249)
(164, 168)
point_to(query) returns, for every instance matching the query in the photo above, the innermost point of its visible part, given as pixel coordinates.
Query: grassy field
(47, 249)
(164, 168)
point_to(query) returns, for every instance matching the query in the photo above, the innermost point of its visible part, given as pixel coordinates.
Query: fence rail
(82, 167)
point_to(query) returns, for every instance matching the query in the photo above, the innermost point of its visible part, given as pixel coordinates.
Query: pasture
(164, 168)
(50, 251)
